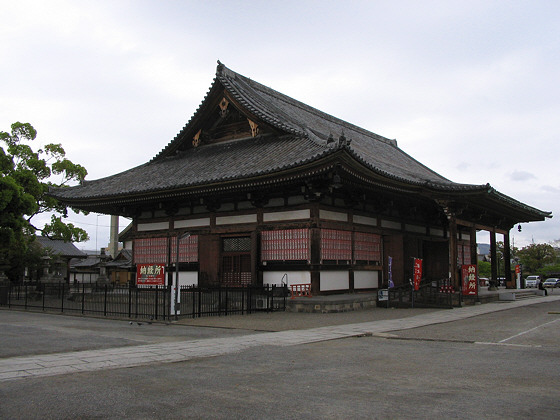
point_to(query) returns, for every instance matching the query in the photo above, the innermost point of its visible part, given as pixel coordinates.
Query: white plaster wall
(390, 224)
(188, 278)
(143, 227)
(415, 228)
(286, 215)
(191, 223)
(364, 220)
(84, 277)
(334, 280)
(333, 215)
(437, 232)
(366, 279)
(231, 220)
(294, 277)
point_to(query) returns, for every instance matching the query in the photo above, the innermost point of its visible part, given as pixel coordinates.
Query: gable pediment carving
(226, 121)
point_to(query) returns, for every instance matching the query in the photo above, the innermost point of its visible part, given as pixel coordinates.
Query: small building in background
(57, 261)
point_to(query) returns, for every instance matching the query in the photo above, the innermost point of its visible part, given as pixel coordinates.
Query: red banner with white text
(417, 273)
(469, 278)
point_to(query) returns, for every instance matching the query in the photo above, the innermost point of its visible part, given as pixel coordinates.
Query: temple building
(260, 188)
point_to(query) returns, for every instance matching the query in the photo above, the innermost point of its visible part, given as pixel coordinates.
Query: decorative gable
(224, 120)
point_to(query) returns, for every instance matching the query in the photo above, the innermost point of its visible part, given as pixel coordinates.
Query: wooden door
(236, 261)
(236, 270)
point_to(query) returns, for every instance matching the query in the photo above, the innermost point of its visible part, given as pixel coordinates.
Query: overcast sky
(469, 88)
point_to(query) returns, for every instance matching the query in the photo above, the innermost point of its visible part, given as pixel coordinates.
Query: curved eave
(248, 183)
(526, 213)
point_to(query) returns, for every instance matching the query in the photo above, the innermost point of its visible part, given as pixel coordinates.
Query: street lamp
(176, 290)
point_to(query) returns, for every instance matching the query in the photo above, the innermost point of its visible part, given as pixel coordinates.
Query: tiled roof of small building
(65, 249)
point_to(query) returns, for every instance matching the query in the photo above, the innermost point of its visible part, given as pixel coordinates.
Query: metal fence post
(105, 302)
(129, 301)
(83, 296)
(156, 303)
(271, 299)
(61, 296)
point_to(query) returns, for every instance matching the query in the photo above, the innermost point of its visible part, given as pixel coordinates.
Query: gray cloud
(521, 176)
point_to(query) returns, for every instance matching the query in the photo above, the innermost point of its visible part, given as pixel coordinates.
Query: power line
(88, 224)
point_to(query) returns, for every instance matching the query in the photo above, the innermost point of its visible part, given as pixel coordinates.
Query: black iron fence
(143, 302)
(196, 301)
(90, 299)
(431, 293)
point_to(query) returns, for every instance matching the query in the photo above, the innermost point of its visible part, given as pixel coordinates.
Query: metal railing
(90, 299)
(197, 301)
(431, 293)
(143, 302)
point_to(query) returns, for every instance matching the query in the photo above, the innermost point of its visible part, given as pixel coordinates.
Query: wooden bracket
(254, 128)
(196, 138)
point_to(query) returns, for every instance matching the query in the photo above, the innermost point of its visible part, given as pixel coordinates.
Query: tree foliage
(484, 269)
(25, 178)
(535, 256)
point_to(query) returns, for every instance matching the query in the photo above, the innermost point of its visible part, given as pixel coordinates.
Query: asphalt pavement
(111, 344)
(491, 361)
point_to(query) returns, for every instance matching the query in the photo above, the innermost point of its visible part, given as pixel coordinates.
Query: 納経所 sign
(150, 275)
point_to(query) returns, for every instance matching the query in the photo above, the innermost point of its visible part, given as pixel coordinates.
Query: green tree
(535, 256)
(25, 178)
(484, 269)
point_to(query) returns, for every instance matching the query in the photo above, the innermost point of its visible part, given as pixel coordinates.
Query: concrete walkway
(178, 351)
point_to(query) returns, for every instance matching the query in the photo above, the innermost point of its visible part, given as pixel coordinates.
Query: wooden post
(315, 236)
(453, 274)
(474, 247)
(507, 261)
(494, 258)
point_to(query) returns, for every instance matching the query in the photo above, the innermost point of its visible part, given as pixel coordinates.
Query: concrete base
(507, 296)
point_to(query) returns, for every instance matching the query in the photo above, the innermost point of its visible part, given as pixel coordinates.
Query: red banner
(150, 275)
(417, 273)
(470, 285)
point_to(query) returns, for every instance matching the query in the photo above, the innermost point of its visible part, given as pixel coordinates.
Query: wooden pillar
(494, 257)
(255, 259)
(453, 274)
(474, 247)
(507, 261)
(315, 234)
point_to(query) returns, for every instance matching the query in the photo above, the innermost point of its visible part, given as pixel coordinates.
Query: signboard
(383, 295)
(518, 276)
(470, 285)
(417, 273)
(150, 275)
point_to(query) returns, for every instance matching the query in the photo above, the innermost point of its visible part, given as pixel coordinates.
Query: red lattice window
(336, 245)
(367, 247)
(188, 249)
(150, 251)
(285, 245)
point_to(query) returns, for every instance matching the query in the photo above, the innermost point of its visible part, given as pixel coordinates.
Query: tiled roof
(307, 135)
(65, 249)
(204, 165)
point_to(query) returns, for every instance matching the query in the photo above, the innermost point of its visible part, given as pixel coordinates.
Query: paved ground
(496, 360)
